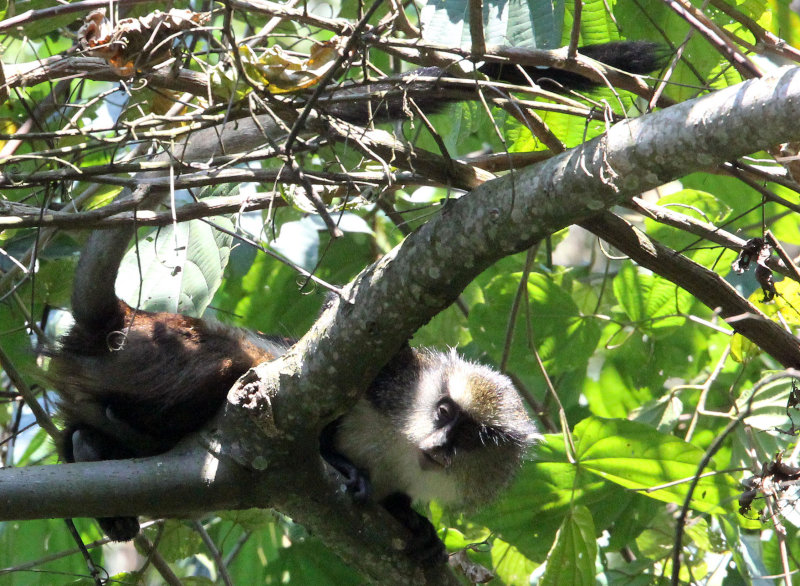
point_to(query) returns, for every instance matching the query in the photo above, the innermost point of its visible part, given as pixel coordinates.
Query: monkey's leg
(425, 546)
(87, 445)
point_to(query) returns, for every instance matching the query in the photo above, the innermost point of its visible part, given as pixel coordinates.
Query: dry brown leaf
(136, 43)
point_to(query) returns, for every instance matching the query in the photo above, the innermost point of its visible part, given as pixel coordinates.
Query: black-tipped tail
(390, 98)
(637, 57)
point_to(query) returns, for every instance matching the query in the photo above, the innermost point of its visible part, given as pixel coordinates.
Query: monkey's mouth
(435, 459)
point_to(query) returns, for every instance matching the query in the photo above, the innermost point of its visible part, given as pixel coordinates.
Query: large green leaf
(177, 268)
(638, 457)
(649, 300)
(625, 397)
(36, 542)
(533, 508)
(768, 427)
(563, 336)
(766, 403)
(510, 565)
(571, 561)
(596, 27)
(518, 23)
(266, 294)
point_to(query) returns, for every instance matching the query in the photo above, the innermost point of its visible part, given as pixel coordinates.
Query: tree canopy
(625, 254)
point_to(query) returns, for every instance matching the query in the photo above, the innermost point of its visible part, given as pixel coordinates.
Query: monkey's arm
(424, 547)
(356, 480)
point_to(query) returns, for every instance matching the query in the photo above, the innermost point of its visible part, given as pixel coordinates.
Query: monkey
(133, 383)
(431, 426)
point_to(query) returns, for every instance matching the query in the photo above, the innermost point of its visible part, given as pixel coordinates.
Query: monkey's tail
(388, 99)
(94, 300)
(636, 57)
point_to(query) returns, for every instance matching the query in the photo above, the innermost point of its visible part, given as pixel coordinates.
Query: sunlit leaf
(571, 561)
(552, 321)
(637, 457)
(177, 268)
(519, 23)
(650, 301)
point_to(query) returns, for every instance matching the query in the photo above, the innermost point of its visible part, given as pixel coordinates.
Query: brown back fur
(164, 374)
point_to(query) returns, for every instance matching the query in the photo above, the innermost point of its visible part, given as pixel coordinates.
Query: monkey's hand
(425, 547)
(356, 480)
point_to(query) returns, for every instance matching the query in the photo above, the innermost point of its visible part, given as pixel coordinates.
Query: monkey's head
(435, 426)
(469, 427)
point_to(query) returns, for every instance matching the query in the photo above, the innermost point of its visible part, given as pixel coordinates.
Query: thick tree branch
(185, 481)
(62, 67)
(704, 231)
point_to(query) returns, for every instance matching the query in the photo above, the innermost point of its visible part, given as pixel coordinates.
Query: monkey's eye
(446, 412)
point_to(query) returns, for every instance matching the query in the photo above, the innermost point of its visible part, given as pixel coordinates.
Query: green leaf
(694, 203)
(783, 225)
(626, 396)
(767, 429)
(571, 561)
(785, 307)
(637, 457)
(662, 413)
(595, 25)
(177, 268)
(742, 349)
(563, 336)
(34, 542)
(767, 403)
(34, 448)
(178, 541)
(649, 300)
(533, 508)
(510, 565)
(270, 556)
(519, 23)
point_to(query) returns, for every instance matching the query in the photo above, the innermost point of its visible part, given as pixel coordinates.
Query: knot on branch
(245, 430)
(253, 393)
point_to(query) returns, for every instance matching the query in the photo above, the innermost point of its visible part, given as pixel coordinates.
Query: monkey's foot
(119, 528)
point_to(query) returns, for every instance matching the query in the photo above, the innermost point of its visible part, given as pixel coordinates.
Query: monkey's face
(437, 427)
(469, 427)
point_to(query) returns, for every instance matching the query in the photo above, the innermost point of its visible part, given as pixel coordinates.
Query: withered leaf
(136, 43)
